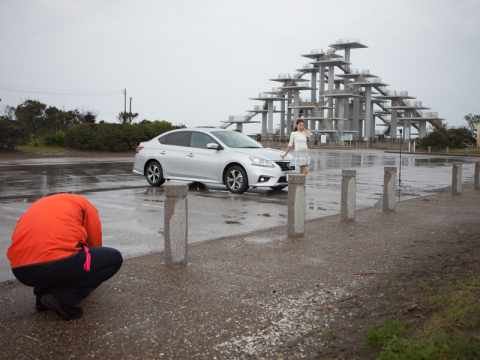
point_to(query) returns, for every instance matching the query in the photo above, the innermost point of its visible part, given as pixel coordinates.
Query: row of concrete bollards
(176, 207)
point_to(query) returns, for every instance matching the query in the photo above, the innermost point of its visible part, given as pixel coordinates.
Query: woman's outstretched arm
(286, 152)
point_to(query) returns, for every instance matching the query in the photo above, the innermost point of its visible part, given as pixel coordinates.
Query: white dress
(300, 155)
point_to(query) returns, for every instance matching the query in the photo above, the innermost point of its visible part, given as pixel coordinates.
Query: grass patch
(328, 335)
(380, 335)
(452, 333)
(40, 147)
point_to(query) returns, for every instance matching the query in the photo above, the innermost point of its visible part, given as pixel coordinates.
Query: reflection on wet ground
(132, 211)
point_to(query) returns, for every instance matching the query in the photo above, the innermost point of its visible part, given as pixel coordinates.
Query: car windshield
(236, 140)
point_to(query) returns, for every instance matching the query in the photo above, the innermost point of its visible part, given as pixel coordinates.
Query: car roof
(205, 130)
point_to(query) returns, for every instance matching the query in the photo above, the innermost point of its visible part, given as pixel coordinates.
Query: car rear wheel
(236, 180)
(154, 174)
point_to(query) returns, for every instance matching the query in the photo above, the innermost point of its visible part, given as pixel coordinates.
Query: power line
(43, 91)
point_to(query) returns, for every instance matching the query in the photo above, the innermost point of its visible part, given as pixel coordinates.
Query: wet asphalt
(132, 211)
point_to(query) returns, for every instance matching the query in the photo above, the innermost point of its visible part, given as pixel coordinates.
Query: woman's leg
(304, 170)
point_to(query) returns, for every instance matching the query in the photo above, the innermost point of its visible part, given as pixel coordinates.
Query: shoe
(60, 309)
(41, 307)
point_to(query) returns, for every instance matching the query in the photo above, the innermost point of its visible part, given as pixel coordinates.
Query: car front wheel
(154, 174)
(236, 180)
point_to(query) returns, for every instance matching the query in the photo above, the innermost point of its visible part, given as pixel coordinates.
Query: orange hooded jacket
(52, 229)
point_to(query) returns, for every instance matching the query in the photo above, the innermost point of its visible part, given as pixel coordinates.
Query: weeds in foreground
(452, 333)
(379, 335)
(328, 335)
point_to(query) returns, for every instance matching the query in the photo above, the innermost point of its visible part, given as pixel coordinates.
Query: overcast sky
(197, 62)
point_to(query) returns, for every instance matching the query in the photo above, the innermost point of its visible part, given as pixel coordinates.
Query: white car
(212, 156)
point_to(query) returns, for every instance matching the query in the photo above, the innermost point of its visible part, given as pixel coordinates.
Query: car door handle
(162, 152)
(190, 155)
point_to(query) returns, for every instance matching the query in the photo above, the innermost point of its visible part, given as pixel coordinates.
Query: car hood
(264, 153)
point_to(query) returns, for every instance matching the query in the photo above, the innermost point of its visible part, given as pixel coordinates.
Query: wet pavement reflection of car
(212, 156)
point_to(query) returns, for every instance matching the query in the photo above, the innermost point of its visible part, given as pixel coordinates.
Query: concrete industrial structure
(343, 104)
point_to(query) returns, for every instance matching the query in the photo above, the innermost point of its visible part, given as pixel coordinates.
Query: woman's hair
(298, 122)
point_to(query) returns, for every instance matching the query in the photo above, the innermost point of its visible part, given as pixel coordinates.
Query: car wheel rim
(235, 180)
(153, 173)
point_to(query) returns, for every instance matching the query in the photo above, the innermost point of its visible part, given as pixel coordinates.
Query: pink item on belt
(86, 266)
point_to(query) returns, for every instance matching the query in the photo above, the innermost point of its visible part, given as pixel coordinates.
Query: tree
(8, 113)
(87, 116)
(472, 120)
(32, 114)
(126, 117)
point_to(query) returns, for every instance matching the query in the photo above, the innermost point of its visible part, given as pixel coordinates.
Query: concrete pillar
(457, 178)
(322, 81)
(447, 150)
(406, 130)
(466, 151)
(264, 126)
(289, 114)
(296, 101)
(270, 118)
(476, 178)
(422, 130)
(331, 84)
(369, 129)
(389, 188)
(356, 117)
(176, 224)
(313, 93)
(348, 202)
(429, 149)
(393, 123)
(282, 120)
(341, 108)
(240, 127)
(347, 54)
(296, 205)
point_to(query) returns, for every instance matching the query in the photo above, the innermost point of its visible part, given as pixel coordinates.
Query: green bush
(50, 140)
(114, 137)
(35, 143)
(452, 138)
(436, 139)
(60, 138)
(12, 134)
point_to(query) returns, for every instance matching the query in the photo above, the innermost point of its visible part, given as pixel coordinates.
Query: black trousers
(66, 279)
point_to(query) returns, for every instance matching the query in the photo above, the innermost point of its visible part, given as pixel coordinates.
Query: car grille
(282, 179)
(285, 165)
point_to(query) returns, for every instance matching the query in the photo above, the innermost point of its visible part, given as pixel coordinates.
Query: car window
(236, 140)
(178, 138)
(162, 139)
(200, 140)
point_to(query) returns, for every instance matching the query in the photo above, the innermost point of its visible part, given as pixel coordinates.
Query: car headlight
(261, 162)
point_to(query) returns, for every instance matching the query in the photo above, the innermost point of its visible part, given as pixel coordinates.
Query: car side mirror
(213, 146)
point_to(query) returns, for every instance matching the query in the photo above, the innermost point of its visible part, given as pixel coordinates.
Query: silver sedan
(212, 156)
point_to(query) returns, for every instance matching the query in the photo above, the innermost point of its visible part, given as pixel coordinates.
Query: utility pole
(125, 94)
(130, 105)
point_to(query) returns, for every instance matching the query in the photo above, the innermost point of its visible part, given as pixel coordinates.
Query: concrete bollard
(389, 188)
(457, 178)
(476, 179)
(296, 205)
(176, 224)
(466, 151)
(348, 202)
(447, 150)
(429, 149)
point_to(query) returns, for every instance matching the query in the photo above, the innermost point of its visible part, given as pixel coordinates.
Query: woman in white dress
(299, 138)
